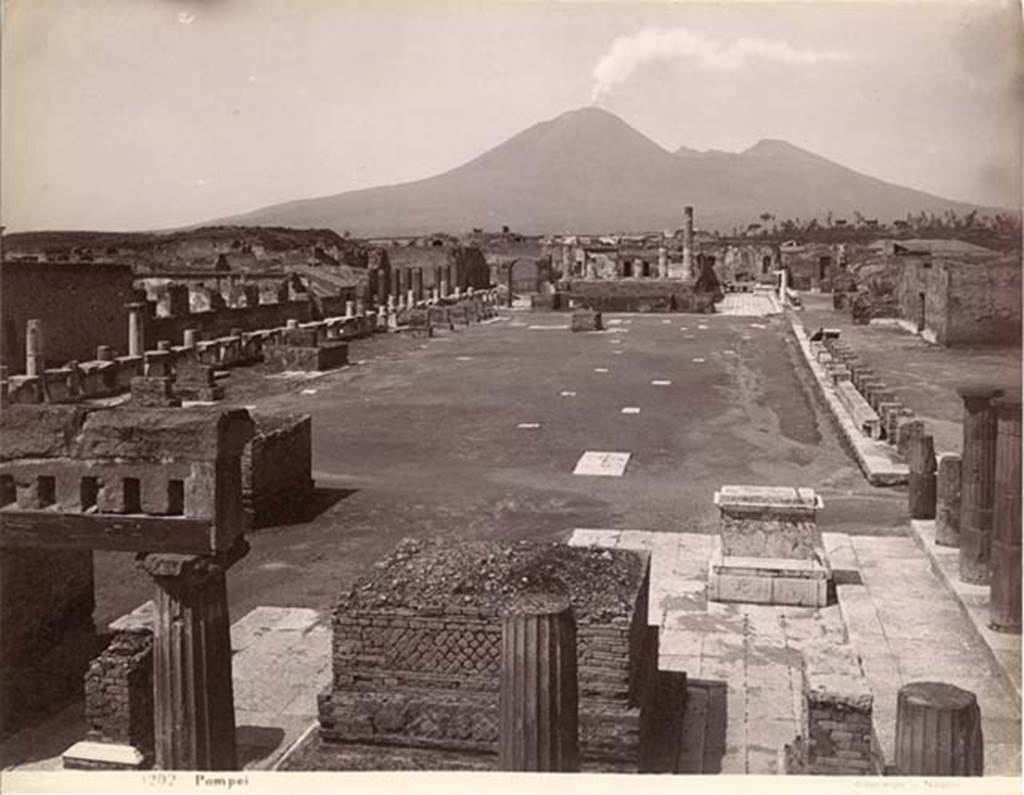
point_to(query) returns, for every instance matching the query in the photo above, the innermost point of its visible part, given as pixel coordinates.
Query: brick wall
(429, 677)
(119, 692)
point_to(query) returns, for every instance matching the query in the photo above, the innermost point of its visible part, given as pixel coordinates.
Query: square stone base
(89, 755)
(768, 581)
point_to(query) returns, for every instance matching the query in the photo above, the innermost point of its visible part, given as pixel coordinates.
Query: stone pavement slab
(906, 626)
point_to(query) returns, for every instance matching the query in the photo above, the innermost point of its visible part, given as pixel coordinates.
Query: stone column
(978, 463)
(136, 328)
(947, 501)
(538, 712)
(921, 480)
(938, 731)
(291, 323)
(417, 284)
(194, 703)
(350, 309)
(189, 338)
(688, 243)
(35, 357)
(1005, 599)
(662, 262)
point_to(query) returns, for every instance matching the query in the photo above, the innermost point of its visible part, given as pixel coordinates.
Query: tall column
(662, 262)
(136, 328)
(688, 243)
(35, 356)
(350, 308)
(188, 337)
(194, 720)
(1005, 598)
(538, 701)
(783, 286)
(444, 281)
(417, 283)
(947, 501)
(978, 468)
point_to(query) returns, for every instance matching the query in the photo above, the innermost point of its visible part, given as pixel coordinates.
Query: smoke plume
(629, 53)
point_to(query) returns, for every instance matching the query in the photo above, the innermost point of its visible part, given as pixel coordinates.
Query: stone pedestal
(769, 550)
(938, 731)
(977, 482)
(947, 500)
(1005, 599)
(194, 703)
(538, 704)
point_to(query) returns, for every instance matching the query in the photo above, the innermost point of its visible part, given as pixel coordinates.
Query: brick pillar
(136, 328)
(538, 713)
(194, 702)
(922, 479)
(947, 500)
(1005, 600)
(35, 356)
(688, 243)
(978, 463)
(938, 731)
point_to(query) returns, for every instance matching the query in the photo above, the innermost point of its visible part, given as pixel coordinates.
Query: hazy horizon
(131, 116)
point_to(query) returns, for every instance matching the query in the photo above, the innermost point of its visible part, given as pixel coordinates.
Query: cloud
(628, 53)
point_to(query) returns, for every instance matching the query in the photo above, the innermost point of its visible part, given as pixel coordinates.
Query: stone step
(690, 758)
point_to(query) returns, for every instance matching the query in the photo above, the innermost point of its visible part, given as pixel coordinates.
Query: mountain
(589, 171)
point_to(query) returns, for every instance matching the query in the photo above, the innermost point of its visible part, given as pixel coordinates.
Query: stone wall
(47, 635)
(277, 467)
(641, 295)
(81, 306)
(422, 670)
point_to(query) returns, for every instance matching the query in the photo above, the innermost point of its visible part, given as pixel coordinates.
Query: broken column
(687, 243)
(921, 480)
(35, 358)
(1005, 598)
(136, 328)
(938, 731)
(977, 482)
(538, 701)
(189, 337)
(947, 500)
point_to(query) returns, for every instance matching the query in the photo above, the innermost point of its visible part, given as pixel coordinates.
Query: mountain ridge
(587, 169)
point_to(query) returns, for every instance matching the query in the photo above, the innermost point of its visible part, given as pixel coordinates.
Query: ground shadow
(320, 501)
(256, 743)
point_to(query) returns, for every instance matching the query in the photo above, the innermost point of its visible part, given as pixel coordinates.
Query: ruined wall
(983, 304)
(428, 677)
(119, 692)
(81, 306)
(642, 295)
(277, 467)
(47, 635)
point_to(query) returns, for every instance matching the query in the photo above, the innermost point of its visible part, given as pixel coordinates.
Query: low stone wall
(119, 692)
(417, 648)
(641, 295)
(277, 467)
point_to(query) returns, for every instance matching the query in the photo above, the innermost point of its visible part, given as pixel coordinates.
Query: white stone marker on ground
(308, 391)
(661, 383)
(630, 409)
(600, 369)
(602, 464)
(566, 393)
(528, 425)
(698, 360)
(463, 358)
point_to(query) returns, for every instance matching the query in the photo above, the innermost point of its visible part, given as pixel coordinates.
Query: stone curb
(999, 645)
(873, 457)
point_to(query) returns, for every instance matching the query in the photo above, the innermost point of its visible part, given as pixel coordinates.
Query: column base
(768, 581)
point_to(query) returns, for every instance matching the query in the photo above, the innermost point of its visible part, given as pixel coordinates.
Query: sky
(149, 114)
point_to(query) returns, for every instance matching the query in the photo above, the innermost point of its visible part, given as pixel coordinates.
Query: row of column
(976, 497)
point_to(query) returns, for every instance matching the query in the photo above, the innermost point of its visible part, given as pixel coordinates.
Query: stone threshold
(874, 458)
(1004, 648)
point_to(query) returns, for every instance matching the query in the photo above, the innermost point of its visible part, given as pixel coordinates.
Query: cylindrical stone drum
(938, 731)
(977, 482)
(921, 479)
(947, 500)
(538, 701)
(1005, 599)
